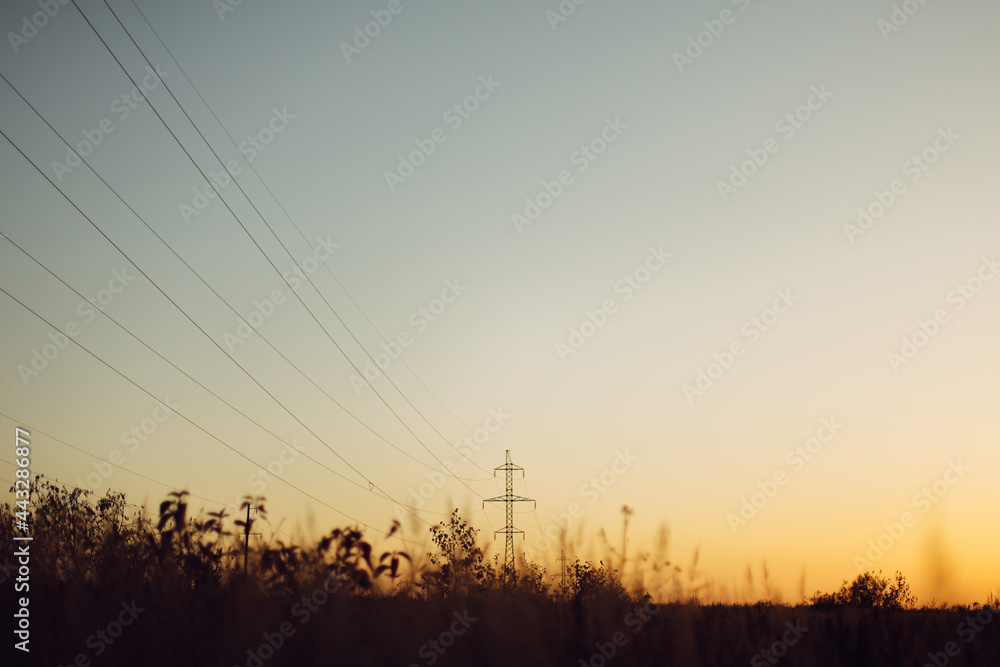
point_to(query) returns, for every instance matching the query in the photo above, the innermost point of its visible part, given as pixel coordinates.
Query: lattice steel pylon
(509, 499)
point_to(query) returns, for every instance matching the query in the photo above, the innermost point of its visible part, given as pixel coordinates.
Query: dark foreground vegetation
(170, 590)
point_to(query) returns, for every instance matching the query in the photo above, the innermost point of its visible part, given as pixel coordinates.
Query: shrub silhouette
(869, 590)
(460, 562)
(590, 582)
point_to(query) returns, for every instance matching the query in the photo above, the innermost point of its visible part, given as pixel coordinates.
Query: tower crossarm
(510, 499)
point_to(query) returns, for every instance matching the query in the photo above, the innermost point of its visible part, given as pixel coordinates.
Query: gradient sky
(682, 128)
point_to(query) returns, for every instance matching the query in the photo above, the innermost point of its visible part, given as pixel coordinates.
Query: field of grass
(109, 591)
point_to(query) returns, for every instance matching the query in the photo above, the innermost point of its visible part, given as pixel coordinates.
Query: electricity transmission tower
(509, 499)
(562, 575)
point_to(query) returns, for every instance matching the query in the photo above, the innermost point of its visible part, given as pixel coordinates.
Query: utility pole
(562, 562)
(246, 537)
(509, 499)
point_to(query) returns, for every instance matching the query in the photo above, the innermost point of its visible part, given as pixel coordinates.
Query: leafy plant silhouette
(459, 560)
(869, 590)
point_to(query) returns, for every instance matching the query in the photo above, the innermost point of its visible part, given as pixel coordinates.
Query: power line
(162, 483)
(36, 431)
(219, 503)
(51, 437)
(294, 224)
(541, 531)
(120, 467)
(174, 303)
(243, 226)
(285, 211)
(204, 282)
(372, 486)
(177, 412)
(183, 372)
(278, 529)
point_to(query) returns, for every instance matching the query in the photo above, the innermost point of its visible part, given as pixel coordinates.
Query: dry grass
(342, 603)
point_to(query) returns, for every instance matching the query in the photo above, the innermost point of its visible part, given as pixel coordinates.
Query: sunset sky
(668, 256)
